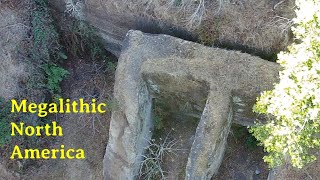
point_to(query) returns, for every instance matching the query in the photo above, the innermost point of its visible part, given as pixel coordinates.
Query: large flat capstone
(150, 65)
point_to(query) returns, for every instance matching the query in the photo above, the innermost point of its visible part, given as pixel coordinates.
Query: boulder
(158, 65)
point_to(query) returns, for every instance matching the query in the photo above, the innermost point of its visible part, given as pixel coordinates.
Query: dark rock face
(150, 65)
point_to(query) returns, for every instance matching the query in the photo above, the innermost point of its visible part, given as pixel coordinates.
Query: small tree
(293, 132)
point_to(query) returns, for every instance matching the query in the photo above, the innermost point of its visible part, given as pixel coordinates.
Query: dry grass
(12, 33)
(74, 9)
(10, 76)
(97, 89)
(287, 172)
(13, 70)
(4, 174)
(152, 166)
(89, 80)
(256, 24)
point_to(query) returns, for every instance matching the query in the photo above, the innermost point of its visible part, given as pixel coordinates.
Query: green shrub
(158, 118)
(55, 75)
(5, 119)
(158, 122)
(251, 141)
(46, 47)
(46, 51)
(293, 132)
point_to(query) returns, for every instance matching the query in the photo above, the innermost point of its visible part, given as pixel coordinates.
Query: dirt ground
(287, 172)
(86, 80)
(13, 30)
(242, 159)
(90, 132)
(178, 127)
(183, 133)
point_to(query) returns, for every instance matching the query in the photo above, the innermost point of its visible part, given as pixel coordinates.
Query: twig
(151, 165)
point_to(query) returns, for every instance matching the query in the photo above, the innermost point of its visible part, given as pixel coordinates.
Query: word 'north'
(46, 130)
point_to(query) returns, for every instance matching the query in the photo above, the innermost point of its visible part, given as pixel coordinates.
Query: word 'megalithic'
(63, 106)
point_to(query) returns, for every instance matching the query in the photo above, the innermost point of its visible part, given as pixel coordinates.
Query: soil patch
(243, 159)
(87, 80)
(13, 30)
(175, 123)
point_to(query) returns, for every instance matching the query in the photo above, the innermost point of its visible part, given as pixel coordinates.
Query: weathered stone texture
(150, 65)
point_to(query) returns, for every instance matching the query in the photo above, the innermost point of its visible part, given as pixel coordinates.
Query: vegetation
(45, 55)
(292, 133)
(55, 75)
(45, 36)
(160, 111)
(6, 117)
(81, 40)
(241, 133)
(251, 141)
(152, 165)
(46, 50)
(4, 122)
(167, 113)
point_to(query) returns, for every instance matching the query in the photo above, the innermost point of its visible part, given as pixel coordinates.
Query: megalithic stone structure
(150, 65)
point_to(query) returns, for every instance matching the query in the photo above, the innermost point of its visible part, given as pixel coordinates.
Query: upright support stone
(160, 64)
(210, 139)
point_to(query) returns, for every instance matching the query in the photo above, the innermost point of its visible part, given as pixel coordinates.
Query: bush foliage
(293, 132)
(44, 56)
(55, 75)
(4, 122)
(46, 51)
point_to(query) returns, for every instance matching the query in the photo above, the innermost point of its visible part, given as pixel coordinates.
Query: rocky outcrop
(256, 26)
(151, 65)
